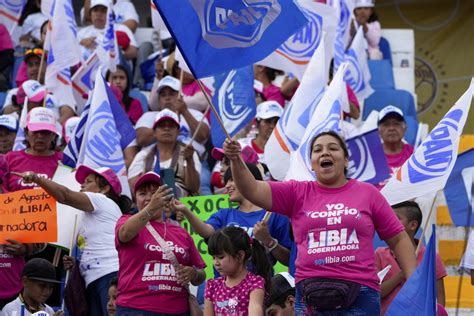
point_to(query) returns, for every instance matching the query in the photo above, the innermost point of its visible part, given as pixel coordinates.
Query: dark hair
(126, 99)
(281, 300)
(53, 143)
(45, 23)
(230, 240)
(340, 140)
(411, 210)
(123, 201)
(113, 282)
(257, 174)
(373, 17)
(270, 73)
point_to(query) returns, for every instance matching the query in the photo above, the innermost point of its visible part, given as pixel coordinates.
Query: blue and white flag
(418, 294)
(83, 81)
(358, 73)
(326, 117)
(218, 36)
(459, 190)
(71, 152)
(107, 50)
(289, 131)
(428, 168)
(10, 13)
(344, 9)
(234, 99)
(367, 160)
(102, 141)
(294, 55)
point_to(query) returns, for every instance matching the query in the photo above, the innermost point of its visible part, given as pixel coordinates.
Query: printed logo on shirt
(171, 245)
(229, 305)
(33, 184)
(153, 271)
(249, 230)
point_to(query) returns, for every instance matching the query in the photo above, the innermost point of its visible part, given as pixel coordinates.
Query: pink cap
(41, 119)
(248, 154)
(33, 90)
(149, 177)
(83, 171)
(164, 115)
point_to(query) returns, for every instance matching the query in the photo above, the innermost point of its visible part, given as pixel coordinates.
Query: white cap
(364, 4)
(41, 119)
(268, 109)
(257, 86)
(390, 109)
(9, 122)
(70, 127)
(164, 115)
(169, 81)
(34, 91)
(105, 3)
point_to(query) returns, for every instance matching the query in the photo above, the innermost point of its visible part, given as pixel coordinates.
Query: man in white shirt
(125, 13)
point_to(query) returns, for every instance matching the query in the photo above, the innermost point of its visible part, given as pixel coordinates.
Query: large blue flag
(459, 190)
(216, 36)
(234, 99)
(367, 160)
(418, 294)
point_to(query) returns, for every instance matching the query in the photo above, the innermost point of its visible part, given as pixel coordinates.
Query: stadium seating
(3, 96)
(383, 97)
(384, 46)
(381, 74)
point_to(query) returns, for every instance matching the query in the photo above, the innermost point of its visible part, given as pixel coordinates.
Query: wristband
(272, 245)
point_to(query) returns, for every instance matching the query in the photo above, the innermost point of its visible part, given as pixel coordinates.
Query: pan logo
(103, 147)
(301, 46)
(353, 75)
(361, 165)
(438, 150)
(228, 24)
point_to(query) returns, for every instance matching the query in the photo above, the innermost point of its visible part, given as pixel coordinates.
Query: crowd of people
(135, 258)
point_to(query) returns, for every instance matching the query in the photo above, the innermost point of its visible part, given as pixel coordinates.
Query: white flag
(326, 117)
(10, 13)
(295, 53)
(428, 168)
(358, 73)
(289, 131)
(107, 51)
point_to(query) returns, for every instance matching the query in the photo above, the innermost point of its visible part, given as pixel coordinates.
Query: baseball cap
(41, 270)
(33, 52)
(83, 171)
(33, 90)
(164, 115)
(9, 122)
(70, 127)
(364, 4)
(169, 81)
(281, 284)
(149, 177)
(390, 110)
(95, 3)
(268, 109)
(41, 119)
(248, 154)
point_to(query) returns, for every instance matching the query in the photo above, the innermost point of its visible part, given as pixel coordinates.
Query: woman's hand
(68, 262)
(187, 152)
(261, 233)
(177, 206)
(88, 42)
(28, 177)
(232, 149)
(186, 274)
(15, 248)
(161, 198)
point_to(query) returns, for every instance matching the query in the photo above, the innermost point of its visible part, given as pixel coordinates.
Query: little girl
(237, 292)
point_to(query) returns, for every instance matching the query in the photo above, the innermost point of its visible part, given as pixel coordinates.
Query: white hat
(258, 86)
(364, 4)
(34, 91)
(164, 115)
(169, 81)
(105, 3)
(268, 109)
(390, 109)
(70, 127)
(9, 122)
(41, 119)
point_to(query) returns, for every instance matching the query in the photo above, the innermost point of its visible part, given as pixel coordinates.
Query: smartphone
(168, 178)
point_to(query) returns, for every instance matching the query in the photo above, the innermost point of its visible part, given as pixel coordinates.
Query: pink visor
(149, 177)
(83, 171)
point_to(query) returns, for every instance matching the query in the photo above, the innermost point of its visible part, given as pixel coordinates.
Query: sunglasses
(36, 51)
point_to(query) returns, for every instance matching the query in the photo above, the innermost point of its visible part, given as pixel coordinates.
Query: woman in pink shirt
(334, 220)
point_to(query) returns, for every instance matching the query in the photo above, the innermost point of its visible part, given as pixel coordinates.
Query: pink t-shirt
(10, 273)
(232, 301)
(135, 111)
(384, 257)
(5, 39)
(397, 160)
(272, 92)
(334, 228)
(146, 280)
(19, 161)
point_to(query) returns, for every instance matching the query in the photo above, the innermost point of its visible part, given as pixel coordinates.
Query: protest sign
(28, 216)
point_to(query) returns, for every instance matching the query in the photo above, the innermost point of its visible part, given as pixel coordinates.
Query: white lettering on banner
(158, 271)
(248, 16)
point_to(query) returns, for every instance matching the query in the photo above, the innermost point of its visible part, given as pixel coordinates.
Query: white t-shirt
(467, 260)
(96, 238)
(33, 24)
(14, 309)
(90, 31)
(124, 10)
(148, 119)
(138, 163)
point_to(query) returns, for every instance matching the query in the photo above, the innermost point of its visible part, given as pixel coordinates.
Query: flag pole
(209, 102)
(199, 125)
(70, 254)
(426, 226)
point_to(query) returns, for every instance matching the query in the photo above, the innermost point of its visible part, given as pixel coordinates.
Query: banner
(218, 36)
(28, 216)
(107, 50)
(294, 55)
(10, 13)
(234, 99)
(83, 81)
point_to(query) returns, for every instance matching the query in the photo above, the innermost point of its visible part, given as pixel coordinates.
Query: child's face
(275, 310)
(37, 291)
(363, 14)
(111, 296)
(410, 226)
(225, 264)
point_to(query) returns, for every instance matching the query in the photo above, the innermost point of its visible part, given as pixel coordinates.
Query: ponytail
(261, 263)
